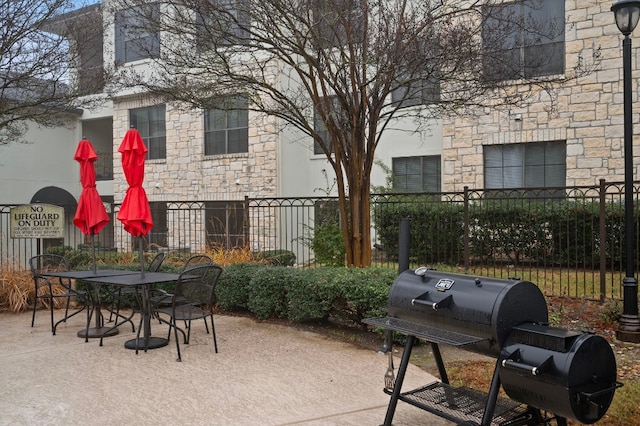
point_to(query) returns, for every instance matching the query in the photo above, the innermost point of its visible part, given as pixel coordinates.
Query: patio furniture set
(192, 298)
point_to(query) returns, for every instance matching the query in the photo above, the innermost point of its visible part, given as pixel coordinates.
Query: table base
(152, 343)
(96, 332)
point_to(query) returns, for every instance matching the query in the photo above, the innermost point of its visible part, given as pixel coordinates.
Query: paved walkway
(264, 374)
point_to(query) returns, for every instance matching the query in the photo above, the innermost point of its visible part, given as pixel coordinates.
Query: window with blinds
(417, 174)
(527, 165)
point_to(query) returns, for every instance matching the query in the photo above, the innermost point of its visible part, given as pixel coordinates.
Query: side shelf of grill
(431, 334)
(462, 404)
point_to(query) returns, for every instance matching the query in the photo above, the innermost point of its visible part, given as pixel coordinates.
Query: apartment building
(567, 131)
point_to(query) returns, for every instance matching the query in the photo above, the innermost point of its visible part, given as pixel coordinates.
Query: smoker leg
(402, 369)
(492, 397)
(561, 421)
(438, 357)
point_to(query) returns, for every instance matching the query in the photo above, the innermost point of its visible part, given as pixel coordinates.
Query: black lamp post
(627, 13)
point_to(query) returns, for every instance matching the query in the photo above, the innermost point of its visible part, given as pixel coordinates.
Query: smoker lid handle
(534, 370)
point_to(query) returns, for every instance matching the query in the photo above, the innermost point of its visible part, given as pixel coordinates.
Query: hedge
(314, 294)
(562, 233)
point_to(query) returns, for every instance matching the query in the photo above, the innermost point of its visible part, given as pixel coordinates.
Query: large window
(416, 174)
(226, 127)
(524, 39)
(134, 37)
(527, 165)
(150, 122)
(225, 224)
(222, 23)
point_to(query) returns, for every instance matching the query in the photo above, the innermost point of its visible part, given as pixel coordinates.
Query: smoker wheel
(462, 404)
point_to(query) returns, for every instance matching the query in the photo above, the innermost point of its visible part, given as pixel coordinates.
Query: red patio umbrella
(135, 213)
(91, 215)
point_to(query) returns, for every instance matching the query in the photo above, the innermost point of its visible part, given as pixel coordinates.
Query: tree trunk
(356, 223)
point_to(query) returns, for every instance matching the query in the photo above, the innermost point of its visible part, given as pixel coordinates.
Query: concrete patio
(264, 374)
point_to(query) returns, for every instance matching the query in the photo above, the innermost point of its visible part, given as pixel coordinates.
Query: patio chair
(162, 298)
(129, 295)
(193, 298)
(50, 290)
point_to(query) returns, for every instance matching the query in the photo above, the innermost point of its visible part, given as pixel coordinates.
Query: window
(337, 22)
(420, 92)
(416, 174)
(524, 39)
(226, 127)
(331, 105)
(529, 165)
(225, 224)
(135, 39)
(150, 123)
(222, 23)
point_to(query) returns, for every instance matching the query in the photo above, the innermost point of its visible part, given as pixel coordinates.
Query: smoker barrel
(572, 374)
(477, 312)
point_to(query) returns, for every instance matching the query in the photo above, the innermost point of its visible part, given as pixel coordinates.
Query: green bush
(232, 290)
(314, 294)
(311, 296)
(268, 291)
(365, 293)
(437, 229)
(328, 245)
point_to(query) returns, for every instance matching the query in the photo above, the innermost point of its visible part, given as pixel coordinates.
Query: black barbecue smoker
(549, 373)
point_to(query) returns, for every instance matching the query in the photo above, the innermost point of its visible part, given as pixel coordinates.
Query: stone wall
(186, 174)
(586, 110)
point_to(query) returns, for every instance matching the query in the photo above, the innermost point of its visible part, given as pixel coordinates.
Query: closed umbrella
(135, 213)
(91, 215)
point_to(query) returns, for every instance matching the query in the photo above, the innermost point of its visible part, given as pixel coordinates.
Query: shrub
(311, 297)
(268, 291)
(364, 293)
(328, 245)
(232, 290)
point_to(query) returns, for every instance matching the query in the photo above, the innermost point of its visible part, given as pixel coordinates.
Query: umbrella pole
(93, 252)
(141, 257)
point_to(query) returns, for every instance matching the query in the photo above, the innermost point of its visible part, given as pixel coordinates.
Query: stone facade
(586, 111)
(186, 173)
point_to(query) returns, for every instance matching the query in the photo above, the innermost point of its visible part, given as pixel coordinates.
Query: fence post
(246, 224)
(603, 239)
(466, 228)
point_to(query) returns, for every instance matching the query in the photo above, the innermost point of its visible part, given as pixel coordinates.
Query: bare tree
(340, 71)
(38, 51)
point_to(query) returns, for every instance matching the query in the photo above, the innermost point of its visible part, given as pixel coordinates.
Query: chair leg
(175, 335)
(35, 305)
(53, 327)
(213, 331)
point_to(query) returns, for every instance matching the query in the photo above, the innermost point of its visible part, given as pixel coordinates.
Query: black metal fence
(569, 241)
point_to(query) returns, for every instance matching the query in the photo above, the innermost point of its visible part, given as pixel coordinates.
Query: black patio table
(145, 282)
(99, 330)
